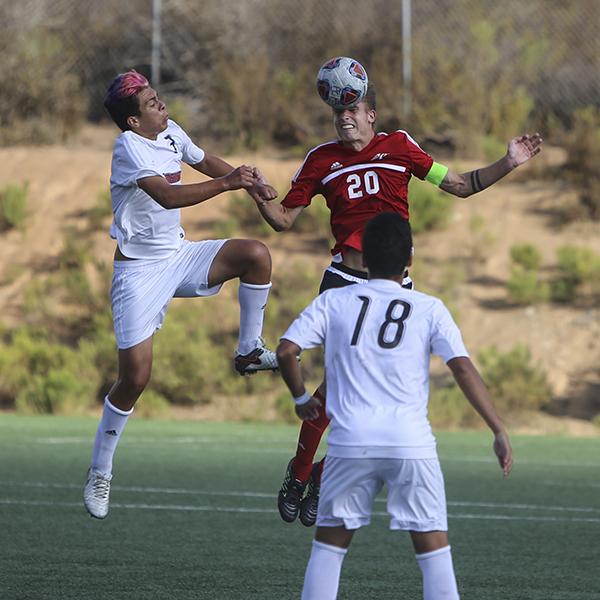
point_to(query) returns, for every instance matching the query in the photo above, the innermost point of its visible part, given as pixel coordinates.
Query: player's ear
(371, 116)
(133, 122)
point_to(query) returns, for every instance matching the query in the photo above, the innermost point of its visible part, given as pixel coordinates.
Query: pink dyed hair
(121, 99)
(126, 84)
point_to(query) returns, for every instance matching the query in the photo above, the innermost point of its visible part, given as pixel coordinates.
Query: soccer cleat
(310, 502)
(260, 359)
(290, 495)
(96, 493)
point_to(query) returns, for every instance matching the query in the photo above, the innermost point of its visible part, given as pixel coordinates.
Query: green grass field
(193, 516)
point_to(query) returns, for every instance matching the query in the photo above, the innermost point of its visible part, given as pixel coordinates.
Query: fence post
(406, 59)
(156, 10)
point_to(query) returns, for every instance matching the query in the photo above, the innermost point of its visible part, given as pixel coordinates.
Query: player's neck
(358, 144)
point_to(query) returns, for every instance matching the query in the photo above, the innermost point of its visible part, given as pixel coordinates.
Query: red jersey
(359, 185)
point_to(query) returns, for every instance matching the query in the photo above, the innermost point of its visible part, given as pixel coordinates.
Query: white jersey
(141, 226)
(378, 338)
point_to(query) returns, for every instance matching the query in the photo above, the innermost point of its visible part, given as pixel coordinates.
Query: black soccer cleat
(310, 502)
(290, 495)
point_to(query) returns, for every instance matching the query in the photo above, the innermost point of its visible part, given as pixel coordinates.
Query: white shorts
(416, 497)
(142, 289)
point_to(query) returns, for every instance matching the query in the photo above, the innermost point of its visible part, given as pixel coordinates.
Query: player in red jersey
(361, 174)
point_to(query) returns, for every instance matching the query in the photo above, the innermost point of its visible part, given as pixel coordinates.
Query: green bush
(42, 99)
(285, 409)
(42, 376)
(448, 407)
(525, 288)
(577, 266)
(243, 219)
(13, 206)
(99, 213)
(583, 149)
(526, 256)
(315, 219)
(429, 207)
(514, 383)
(152, 405)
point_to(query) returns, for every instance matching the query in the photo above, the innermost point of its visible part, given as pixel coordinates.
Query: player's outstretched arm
(520, 150)
(276, 215)
(289, 367)
(473, 387)
(179, 196)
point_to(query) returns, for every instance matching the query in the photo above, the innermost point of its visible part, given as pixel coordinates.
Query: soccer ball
(342, 82)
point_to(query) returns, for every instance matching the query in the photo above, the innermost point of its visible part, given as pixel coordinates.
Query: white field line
(244, 494)
(226, 509)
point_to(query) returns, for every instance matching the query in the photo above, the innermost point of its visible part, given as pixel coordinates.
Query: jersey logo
(172, 177)
(171, 142)
(380, 156)
(335, 165)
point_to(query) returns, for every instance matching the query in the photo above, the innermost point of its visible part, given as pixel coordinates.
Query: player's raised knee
(258, 253)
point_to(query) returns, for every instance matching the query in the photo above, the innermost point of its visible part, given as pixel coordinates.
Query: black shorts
(338, 275)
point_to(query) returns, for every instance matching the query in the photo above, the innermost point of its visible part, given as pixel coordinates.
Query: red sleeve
(304, 185)
(421, 161)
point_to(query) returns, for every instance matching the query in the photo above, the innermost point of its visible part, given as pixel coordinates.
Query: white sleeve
(308, 330)
(131, 163)
(192, 154)
(446, 340)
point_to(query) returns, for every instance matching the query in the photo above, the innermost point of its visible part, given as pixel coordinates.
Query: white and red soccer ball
(342, 82)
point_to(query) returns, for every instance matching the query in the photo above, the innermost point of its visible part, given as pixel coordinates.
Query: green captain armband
(436, 174)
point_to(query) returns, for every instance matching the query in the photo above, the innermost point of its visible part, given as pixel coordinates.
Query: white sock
(253, 299)
(322, 577)
(439, 582)
(109, 431)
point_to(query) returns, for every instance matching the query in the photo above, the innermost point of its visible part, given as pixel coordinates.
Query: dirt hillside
(471, 255)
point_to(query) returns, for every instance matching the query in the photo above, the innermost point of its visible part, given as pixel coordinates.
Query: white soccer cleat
(260, 359)
(96, 493)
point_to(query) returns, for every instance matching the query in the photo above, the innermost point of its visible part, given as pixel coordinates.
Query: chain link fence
(242, 71)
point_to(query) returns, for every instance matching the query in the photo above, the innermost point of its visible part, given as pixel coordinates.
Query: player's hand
(521, 149)
(310, 410)
(503, 452)
(262, 193)
(242, 177)
(259, 176)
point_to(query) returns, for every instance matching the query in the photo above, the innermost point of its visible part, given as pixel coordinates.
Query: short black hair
(387, 244)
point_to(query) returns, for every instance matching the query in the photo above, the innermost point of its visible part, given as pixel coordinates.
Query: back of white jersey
(378, 338)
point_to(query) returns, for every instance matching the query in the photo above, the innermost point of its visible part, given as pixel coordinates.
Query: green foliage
(13, 206)
(578, 264)
(493, 148)
(42, 376)
(429, 207)
(152, 405)
(98, 214)
(315, 219)
(583, 149)
(243, 218)
(514, 383)
(178, 110)
(526, 256)
(524, 285)
(42, 99)
(525, 288)
(448, 407)
(285, 409)
(578, 268)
